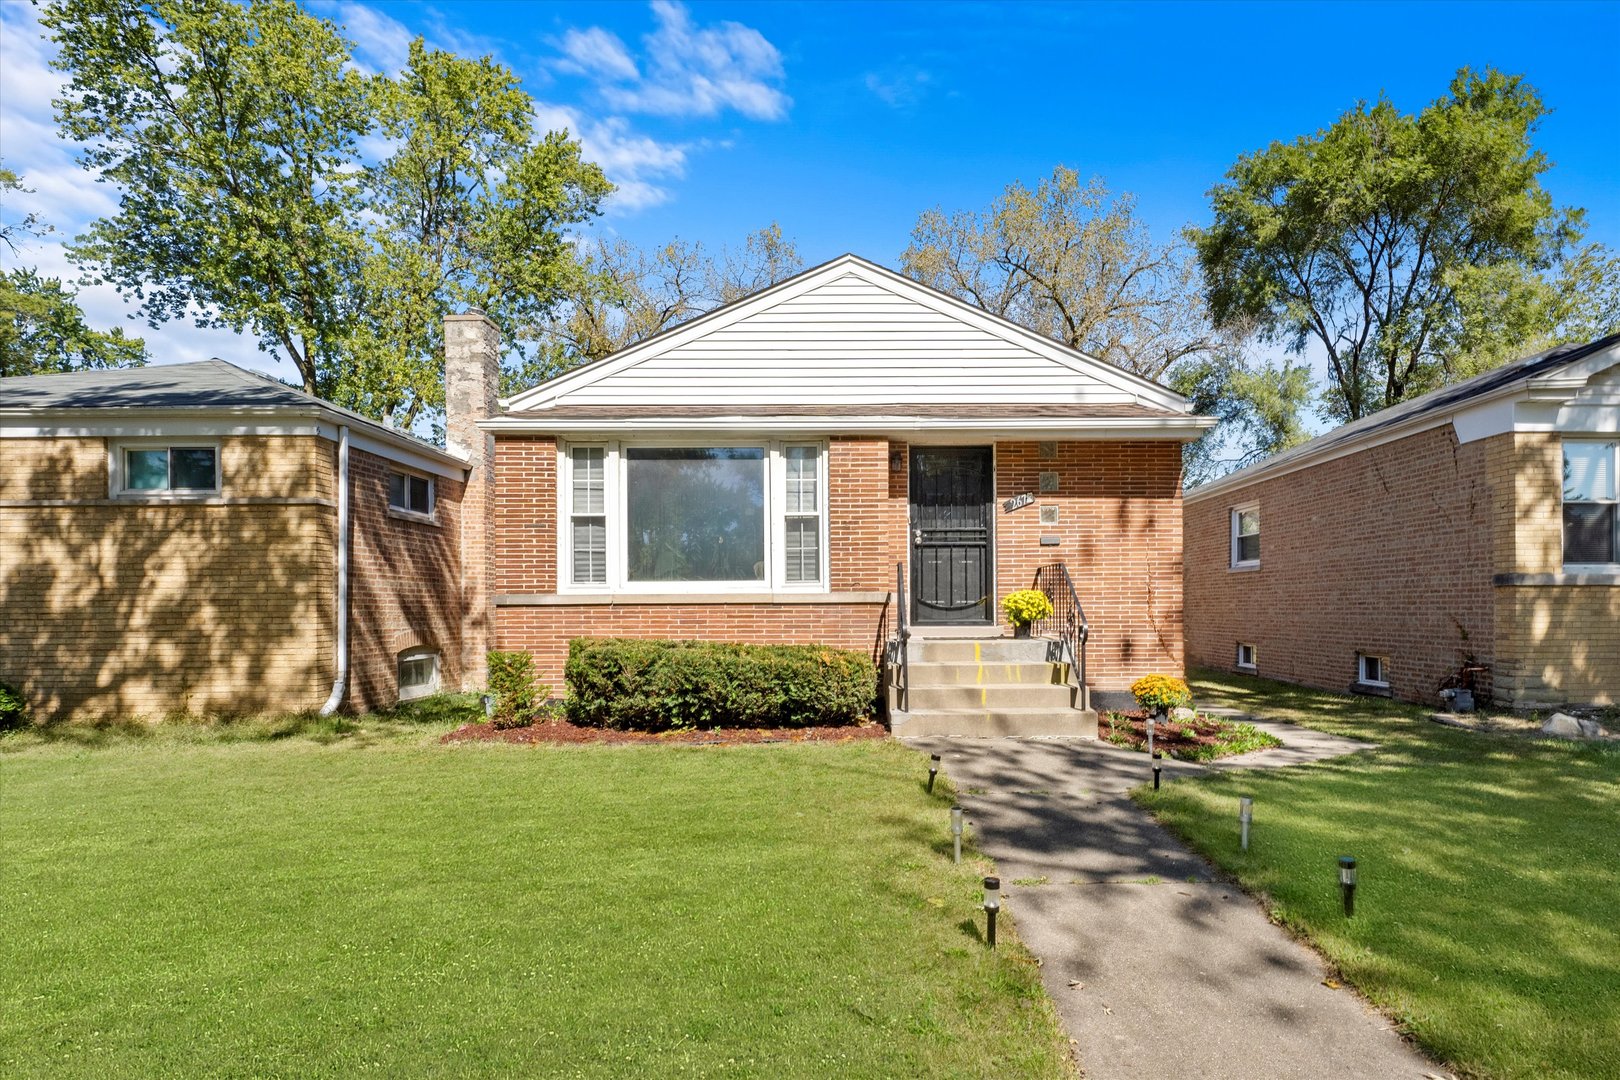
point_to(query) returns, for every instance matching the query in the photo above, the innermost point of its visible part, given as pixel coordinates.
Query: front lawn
(311, 900)
(1488, 912)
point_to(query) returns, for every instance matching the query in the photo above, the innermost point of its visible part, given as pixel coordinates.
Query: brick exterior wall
(1119, 506)
(1119, 533)
(1385, 552)
(128, 609)
(405, 584)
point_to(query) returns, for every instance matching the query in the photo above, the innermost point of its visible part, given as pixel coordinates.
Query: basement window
(418, 674)
(411, 493)
(1372, 670)
(1245, 657)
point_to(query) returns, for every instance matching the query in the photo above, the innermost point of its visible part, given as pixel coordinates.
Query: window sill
(628, 599)
(1243, 568)
(1571, 575)
(167, 496)
(1247, 669)
(1372, 689)
(411, 515)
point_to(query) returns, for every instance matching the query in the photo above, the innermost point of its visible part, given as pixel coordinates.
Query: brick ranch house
(822, 462)
(169, 542)
(1475, 523)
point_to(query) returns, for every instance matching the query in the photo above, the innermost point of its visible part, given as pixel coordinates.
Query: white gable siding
(847, 341)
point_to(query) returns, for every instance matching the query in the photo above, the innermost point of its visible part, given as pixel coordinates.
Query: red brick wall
(1119, 533)
(1387, 551)
(525, 543)
(405, 587)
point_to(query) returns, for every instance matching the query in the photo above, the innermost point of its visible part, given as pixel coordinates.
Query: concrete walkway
(1181, 977)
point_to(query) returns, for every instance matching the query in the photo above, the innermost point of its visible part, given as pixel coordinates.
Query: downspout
(341, 684)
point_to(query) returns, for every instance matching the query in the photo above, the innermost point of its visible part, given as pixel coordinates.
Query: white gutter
(340, 685)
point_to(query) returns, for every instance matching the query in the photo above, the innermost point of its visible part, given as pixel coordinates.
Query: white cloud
(634, 162)
(899, 89)
(381, 43)
(690, 70)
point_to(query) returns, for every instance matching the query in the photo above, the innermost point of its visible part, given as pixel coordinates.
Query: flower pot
(1020, 630)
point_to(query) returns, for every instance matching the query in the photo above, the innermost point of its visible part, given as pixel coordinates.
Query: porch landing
(968, 682)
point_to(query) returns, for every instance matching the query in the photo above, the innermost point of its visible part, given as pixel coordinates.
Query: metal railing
(1067, 624)
(897, 650)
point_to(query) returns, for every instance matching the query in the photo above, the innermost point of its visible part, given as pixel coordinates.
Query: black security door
(951, 495)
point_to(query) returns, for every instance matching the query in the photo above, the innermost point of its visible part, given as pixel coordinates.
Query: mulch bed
(1169, 737)
(560, 732)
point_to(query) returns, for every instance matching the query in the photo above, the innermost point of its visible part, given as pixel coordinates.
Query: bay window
(671, 517)
(1591, 531)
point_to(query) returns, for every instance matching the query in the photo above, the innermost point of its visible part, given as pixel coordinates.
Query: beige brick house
(1473, 525)
(170, 541)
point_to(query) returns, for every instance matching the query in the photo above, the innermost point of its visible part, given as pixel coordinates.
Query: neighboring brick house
(759, 473)
(1475, 523)
(169, 543)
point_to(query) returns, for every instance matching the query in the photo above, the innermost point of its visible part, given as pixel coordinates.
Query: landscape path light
(1150, 733)
(992, 908)
(956, 830)
(1245, 815)
(489, 706)
(1155, 771)
(1347, 883)
(933, 771)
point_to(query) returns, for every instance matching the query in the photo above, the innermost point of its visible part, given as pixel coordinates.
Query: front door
(951, 557)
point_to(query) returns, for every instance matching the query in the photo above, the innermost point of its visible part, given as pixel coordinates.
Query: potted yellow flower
(1024, 607)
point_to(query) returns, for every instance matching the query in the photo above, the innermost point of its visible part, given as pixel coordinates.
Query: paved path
(1185, 977)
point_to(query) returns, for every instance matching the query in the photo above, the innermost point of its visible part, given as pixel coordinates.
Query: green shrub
(13, 708)
(673, 685)
(511, 681)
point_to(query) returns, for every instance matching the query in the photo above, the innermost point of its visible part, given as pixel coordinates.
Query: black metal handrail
(897, 645)
(1067, 623)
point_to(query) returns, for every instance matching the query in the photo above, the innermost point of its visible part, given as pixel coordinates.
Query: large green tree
(1409, 249)
(237, 136)
(42, 328)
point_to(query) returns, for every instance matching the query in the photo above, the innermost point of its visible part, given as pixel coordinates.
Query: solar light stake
(992, 907)
(1347, 884)
(933, 771)
(489, 705)
(1245, 815)
(956, 830)
(1155, 772)
(1150, 733)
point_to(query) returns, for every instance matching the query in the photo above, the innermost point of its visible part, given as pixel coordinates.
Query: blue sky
(843, 121)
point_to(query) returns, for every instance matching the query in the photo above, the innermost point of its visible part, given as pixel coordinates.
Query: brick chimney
(472, 372)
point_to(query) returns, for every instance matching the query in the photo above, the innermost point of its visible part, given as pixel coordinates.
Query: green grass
(1229, 737)
(1488, 911)
(226, 900)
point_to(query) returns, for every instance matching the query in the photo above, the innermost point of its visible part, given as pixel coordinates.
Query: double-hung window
(1245, 536)
(673, 517)
(155, 470)
(1591, 528)
(411, 493)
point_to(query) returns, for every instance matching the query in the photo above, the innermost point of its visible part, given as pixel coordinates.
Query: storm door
(951, 554)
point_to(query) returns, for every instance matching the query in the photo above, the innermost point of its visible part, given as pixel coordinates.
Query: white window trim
(115, 469)
(1361, 670)
(616, 500)
(1603, 567)
(416, 692)
(1253, 657)
(405, 512)
(1234, 562)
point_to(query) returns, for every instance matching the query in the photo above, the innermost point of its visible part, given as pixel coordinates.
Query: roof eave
(1183, 428)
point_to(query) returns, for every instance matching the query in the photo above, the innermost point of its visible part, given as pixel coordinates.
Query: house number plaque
(1017, 501)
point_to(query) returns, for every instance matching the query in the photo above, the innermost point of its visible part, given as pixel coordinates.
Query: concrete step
(990, 696)
(969, 673)
(990, 723)
(977, 650)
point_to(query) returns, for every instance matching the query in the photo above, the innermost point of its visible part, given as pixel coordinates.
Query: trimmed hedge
(13, 708)
(511, 681)
(633, 685)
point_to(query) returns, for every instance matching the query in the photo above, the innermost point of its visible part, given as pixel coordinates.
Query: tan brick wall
(1119, 505)
(1387, 551)
(405, 584)
(138, 609)
(1119, 533)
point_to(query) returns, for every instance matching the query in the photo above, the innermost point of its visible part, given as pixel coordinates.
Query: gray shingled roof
(204, 384)
(1445, 399)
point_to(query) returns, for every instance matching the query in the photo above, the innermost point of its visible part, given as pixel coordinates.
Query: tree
(1072, 262)
(42, 329)
(1259, 406)
(235, 134)
(1399, 245)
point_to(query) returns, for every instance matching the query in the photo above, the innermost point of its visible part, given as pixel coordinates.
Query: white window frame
(1614, 448)
(416, 692)
(617, 503)
(405, 511)
(1250, 664)
(116, 470)
(1382, 681)
(1236, 514)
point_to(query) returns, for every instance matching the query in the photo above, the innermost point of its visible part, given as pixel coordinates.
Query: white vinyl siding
(847, 342)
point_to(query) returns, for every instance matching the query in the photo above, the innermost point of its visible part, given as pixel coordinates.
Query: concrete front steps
(985, 687)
